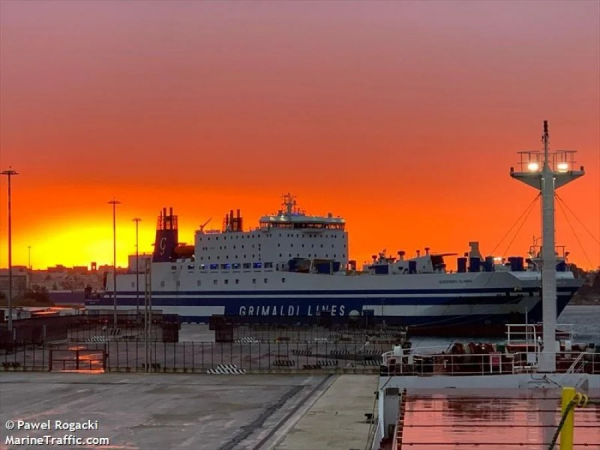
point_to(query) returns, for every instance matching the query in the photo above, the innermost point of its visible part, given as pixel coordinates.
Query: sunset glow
(402, 117)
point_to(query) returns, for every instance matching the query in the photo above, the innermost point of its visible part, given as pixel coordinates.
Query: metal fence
(198, 357)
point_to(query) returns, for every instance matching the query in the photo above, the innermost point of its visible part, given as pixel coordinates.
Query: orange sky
(403, 117)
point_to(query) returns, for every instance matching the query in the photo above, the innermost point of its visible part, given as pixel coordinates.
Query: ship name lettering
(291, 310)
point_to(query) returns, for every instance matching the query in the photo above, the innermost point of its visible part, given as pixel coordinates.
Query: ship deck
(482, 419)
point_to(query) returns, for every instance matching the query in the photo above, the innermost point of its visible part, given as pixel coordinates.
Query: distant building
(143, 257)
(20, 281)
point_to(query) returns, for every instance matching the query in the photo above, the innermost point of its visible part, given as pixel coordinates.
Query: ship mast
(555, 171)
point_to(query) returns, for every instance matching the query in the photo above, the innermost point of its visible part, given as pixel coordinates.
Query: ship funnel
(167, 237)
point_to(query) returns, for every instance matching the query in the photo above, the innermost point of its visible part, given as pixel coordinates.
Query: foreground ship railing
(484, 364)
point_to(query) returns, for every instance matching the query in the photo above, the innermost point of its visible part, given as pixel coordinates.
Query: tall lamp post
(9, 173)
(114, 204)
(29, 259)
(137, 221)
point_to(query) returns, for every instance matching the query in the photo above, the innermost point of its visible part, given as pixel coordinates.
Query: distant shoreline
(586, 301)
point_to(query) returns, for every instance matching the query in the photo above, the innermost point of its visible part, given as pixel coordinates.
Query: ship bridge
(292, 217)
(288, 234)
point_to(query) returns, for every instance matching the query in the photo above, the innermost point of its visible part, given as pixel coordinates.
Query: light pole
(137, 221)
(9, 173)
(114, 204)
(29, 260)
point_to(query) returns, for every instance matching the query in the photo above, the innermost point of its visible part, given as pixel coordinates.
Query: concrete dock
(166, 411)
(337, 420)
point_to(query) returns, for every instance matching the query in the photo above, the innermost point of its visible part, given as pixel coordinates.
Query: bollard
(566, 434)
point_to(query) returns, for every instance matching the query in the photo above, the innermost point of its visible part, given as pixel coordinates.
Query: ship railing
(520, 333)
(576, 367)
(494, 363)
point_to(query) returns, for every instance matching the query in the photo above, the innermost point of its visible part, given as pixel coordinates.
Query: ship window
(242, 246)
(236, 266)
(214, 281)
(335, 256)
(226, 266)
(278, 245)
(178, 283)
(202, 267)
(280, 255)
(214, 266)
(234, 246)
(257, 265)
(209, 239)
(198, 283)
(302, 245)
(247, 265)
(332, 246)
(173, 267)
(268, 265)
(283, 280)
(266, 280)
(225, 238)
(321, 245)
(217, 238)
(226, 281)
(327, 256)
(253, 280)
(237, 281)
(162, 284)
(291, 245)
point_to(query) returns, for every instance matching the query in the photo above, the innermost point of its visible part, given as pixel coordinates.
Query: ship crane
(546, 171)
(204, 224)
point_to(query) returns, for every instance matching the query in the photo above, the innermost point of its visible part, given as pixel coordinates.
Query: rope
(514, 224)
(580, 400)
(522, 223)
(575, 234)
(579, 220)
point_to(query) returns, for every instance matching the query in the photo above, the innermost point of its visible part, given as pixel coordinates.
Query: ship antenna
(556, 171)
(289, 203)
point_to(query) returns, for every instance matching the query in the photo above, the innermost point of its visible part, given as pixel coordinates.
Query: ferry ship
(295, 268)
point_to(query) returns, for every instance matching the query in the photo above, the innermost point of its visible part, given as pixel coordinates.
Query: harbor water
(585, 320)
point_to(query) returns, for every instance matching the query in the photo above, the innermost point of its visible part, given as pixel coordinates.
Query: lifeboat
(184, 251)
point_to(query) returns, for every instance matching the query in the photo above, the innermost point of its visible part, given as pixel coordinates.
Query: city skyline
(403, 118)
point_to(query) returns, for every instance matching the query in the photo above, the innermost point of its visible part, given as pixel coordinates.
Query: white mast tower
(547, 171)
